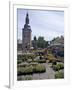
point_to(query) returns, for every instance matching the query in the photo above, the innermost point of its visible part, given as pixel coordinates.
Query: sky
(47, 23)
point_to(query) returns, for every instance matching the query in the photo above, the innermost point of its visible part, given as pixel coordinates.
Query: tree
(46, 43)
(41, 42)
(34, 42)
(35, 39)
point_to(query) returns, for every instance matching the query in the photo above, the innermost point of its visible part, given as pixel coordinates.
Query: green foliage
(54, 63)
(19, 61)
(59, 75)
(34, 42)
(61, 66)
(40, 61)
(22, 57)
(35, 39)
(51, 58)
(39, 68)
(26, 57)
(24, 78)
(23, 64)
(19, 57)
(41, 42)
(29, 60)
(58, 67)
(28, 78)
(33, 63)
(25, 70)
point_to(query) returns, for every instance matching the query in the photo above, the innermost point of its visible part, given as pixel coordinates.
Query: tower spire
(26, 35)
(27, 18)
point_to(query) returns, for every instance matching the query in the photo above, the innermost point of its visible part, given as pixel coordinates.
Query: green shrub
(32, 56)
(40, 61)
(61, 66)
(19, 57)
(58, 67)
(29, 60)
(50, 61)
(19, 78)
(19, 61)
(22, 57)
(25, 70)
(54, 63)
(30, 69)
(39, 68)
(25, 57)
(23, 64)
(33, 63)
(28, 78)
(59, 75)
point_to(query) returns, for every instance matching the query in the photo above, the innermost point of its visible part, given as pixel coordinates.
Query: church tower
(26, 35)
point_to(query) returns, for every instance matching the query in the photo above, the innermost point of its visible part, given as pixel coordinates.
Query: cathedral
(26, 35)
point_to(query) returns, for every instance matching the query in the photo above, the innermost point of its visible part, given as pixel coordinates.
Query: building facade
(26, 35)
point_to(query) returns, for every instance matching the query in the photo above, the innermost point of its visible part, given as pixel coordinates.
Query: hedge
(19, 61)
(58, 67)
(23, 64)
(19, 78)
(25, 70)
(38, 68)
(26, 57)
(39, 61)
(59, 75)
